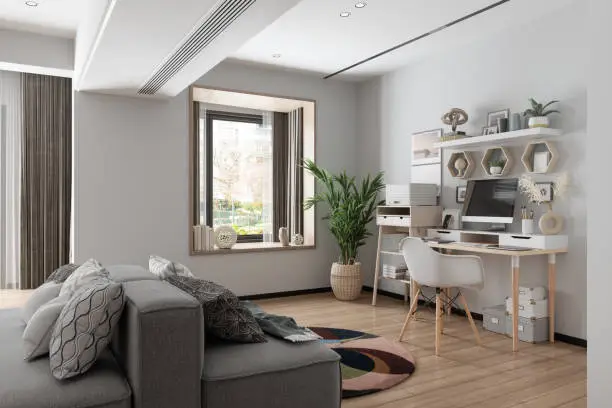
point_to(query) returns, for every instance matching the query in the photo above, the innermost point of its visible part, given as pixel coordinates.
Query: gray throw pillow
(164, 268)
(85, 275)
(224, 316)
(37, 334)
(85, 327)
(43, 294)
(62, 273)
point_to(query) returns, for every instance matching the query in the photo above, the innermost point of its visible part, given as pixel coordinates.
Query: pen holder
(527, 226)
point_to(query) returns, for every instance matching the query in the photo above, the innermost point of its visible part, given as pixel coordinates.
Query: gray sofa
(159, 359)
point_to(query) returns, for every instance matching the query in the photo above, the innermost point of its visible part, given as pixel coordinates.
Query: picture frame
(489, 130)
(547, 191)
(423, 150)
(460, 194)
(493, 116)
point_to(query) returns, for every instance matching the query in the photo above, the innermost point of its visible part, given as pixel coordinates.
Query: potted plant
(496, 166)
(351, 208)
(538, 115)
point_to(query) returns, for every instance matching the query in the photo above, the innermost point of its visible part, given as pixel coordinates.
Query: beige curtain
(46, 176)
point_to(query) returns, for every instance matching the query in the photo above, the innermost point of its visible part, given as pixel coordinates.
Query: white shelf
(500, 137)
(391, 253)
(397, 280)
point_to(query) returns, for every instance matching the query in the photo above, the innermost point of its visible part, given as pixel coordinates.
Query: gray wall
(599, 145)
(499, 72)
(131, 180)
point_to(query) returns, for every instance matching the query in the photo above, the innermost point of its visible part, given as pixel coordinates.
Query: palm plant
(539, 110)
(351, 207)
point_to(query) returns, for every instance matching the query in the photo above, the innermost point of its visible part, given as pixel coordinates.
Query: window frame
(211, 116)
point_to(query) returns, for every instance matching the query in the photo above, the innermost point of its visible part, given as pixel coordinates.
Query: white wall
(545, 60)
(131, 180)
(34, 53)
(599, 222)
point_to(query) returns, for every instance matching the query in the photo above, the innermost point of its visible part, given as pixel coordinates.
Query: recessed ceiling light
(31, 3)
(361, 4)
(276, 55)
(345, 14)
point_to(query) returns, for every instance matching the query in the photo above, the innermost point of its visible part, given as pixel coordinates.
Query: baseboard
(477, 316)
(285, 294)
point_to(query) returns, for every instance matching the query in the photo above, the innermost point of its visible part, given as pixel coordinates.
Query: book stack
(203, 238)
(394, 272)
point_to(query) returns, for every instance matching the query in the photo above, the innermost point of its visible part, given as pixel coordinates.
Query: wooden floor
(464, 376)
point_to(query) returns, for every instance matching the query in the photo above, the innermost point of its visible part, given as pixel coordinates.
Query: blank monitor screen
(490, 200)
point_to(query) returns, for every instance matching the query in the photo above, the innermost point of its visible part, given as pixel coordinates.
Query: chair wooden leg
(438, 322)
(413, 306)
(469, 316)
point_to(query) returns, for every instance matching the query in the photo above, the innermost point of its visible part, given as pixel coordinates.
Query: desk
(516, 256)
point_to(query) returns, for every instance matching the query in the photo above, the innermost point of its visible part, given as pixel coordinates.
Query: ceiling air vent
(217, 22)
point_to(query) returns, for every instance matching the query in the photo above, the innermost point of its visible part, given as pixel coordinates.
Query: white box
(527, 294)
(534, 241)
(411, 194)
(532, 309)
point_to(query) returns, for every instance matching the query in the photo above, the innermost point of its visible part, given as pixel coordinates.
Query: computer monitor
(490, 201)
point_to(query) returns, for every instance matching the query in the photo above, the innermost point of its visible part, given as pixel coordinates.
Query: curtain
(45, 177)
(280, 166)
(295, 185)
(10, 178)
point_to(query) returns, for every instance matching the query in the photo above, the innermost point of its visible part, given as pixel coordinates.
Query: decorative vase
(346, 281)
(225, 237)
(496, 171)
(460, 165)
(539, 121)
(283, 236)
(551, 223)
(516, 122)
(297, 239)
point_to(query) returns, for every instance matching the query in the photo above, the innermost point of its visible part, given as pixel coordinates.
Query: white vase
(496, 171)
(551, 223)
(539, 121)
(283, 236)
(346, 281)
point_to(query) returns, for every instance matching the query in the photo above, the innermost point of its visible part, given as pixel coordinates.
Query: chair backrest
(430, 268)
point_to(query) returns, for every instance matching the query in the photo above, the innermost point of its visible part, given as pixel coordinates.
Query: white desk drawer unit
(534, 241)
(394, 220)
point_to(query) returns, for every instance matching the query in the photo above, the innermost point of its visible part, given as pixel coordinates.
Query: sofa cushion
(129, 273)
(43, 294)
(30, 384)
(62, 273)
(87, 273)
(246, 375)
(85, 327)
(164, 268)
(37, 334)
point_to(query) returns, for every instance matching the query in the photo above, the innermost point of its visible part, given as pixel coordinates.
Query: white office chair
(430, 268)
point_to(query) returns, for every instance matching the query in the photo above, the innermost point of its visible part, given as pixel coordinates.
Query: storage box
(530, 309)
(411, 194)
(494, 319)
(529, 330)
(527, 294)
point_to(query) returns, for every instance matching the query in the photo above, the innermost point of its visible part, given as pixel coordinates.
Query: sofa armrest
(160, 345)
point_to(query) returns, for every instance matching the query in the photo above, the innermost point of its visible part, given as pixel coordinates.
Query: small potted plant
(538, 115)
(496, 167)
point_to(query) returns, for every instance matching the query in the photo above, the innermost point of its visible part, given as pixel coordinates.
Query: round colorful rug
(369, 363)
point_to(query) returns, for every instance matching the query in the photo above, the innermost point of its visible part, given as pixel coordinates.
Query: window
(247, 152)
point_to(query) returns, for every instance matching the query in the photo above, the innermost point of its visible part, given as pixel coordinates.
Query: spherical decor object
(225, 237)
(346, 281)
(551, 223)
(297, 239)
(369, 363)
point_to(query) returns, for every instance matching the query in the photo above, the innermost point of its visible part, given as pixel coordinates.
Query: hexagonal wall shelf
(540, 157)
(497, 153)
(458, 172)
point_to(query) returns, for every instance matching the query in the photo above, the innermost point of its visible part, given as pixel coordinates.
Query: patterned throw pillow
(37, 334)
(164, 268)
(224, 315)
(85, 327)
(62, 273)
(86, 274)
(43, 294)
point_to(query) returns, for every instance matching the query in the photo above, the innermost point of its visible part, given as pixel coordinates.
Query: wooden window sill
(245, 247)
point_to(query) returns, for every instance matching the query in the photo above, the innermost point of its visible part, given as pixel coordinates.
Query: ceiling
(313, 37)
(58, 18)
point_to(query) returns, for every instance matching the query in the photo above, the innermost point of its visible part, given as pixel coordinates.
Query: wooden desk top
(492, 251)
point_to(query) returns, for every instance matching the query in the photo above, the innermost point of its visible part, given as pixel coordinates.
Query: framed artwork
(546, 190)
(493, 116)
(423, 150)
(489, 130)
(461, 193)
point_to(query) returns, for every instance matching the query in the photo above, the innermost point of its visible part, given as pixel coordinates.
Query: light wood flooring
(465, 375)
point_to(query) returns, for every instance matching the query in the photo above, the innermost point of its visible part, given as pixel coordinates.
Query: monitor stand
(495, 227)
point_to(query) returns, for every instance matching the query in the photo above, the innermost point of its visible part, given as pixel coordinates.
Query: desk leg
(552, 271)
(377, 268)
(515, 301)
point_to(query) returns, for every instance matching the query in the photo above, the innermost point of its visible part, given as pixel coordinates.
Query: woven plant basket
(346, 281)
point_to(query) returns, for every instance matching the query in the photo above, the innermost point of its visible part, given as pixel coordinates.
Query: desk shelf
(407, 282)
